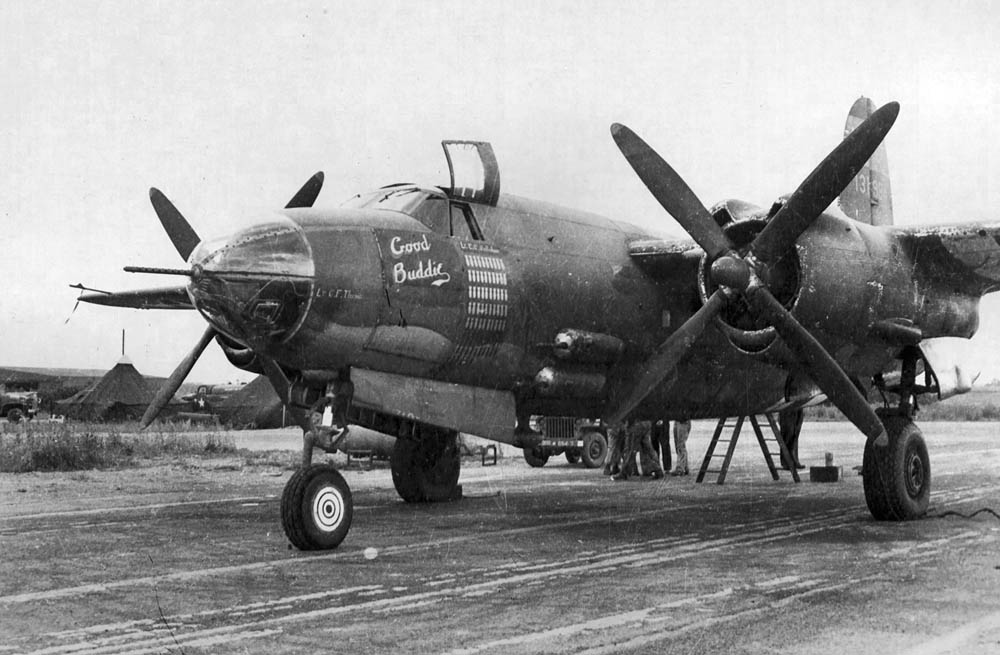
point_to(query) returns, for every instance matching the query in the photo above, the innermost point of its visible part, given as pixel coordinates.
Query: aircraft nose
(255, 285)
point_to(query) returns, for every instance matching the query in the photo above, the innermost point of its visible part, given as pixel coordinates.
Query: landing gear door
(475, 175)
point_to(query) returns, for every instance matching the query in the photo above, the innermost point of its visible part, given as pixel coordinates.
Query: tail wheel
(897, 477)
(535, 457)
(316, 508)
(595, 449)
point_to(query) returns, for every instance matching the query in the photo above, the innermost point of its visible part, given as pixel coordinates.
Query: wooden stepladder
(734, 436)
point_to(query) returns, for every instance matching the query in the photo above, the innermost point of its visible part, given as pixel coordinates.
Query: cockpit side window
(430, 207)
(433, 212)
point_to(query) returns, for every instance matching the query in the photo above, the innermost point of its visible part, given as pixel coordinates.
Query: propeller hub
(731, 271)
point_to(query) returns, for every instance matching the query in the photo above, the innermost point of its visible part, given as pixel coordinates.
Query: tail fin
(868, 198)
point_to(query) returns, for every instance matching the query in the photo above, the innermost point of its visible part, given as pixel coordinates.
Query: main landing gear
(317, 506)
(425, 465)
(897, 475)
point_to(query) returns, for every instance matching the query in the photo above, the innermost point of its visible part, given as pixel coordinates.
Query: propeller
(672, 192)
(176, 379)
(743, 275)
(181, 234)
(306, 196)
(185, 240)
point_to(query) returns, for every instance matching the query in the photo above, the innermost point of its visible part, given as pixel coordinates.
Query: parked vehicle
(583, 440)
(17, 406)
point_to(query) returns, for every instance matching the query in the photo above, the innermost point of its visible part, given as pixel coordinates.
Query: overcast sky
(229, 107)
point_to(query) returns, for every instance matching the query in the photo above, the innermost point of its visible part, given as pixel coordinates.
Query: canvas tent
(122, 394)
(254, 406)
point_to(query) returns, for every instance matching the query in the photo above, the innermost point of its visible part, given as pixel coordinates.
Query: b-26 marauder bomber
(463, 309)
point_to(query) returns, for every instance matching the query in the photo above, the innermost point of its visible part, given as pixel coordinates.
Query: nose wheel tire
(897, 477)
(316, 508)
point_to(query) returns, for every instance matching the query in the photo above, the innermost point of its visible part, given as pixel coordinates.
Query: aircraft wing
(158, 298)
(967, 256)
(665, 257)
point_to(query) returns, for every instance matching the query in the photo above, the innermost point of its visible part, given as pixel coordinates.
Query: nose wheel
(316, 508)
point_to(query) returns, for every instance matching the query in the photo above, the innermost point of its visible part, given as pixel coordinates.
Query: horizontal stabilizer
(159, 298)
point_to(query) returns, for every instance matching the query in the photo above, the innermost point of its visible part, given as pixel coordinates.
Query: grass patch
(81, 447)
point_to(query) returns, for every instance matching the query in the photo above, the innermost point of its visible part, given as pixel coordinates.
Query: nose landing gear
(316, 508)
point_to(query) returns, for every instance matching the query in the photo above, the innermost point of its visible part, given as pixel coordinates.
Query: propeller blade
(823, 185)
(181, 234)
(820, 366)
(306, 196)
(666, 357)
(671, 191)
(176, 379)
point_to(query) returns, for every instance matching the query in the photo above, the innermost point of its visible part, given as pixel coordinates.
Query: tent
(122, 394)
(254, 406)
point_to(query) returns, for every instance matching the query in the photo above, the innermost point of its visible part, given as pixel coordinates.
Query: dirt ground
(189, 557)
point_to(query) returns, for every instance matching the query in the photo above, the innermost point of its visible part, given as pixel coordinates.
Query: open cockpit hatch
(475, 175)
(449, 211)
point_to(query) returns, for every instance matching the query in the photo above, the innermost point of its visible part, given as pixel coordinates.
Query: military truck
(17, 406)
(583, 440)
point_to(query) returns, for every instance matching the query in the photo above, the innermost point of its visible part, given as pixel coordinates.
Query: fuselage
(412, 282)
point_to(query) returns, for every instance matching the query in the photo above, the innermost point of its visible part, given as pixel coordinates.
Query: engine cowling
(845, 282)
(746, 331)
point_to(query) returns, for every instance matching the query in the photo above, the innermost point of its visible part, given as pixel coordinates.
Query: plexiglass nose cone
(256, 285)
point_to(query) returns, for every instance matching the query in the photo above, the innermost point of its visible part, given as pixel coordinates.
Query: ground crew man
(789, 426)
(616, 437)
(681, 431)
(637, 440)
(660, 436)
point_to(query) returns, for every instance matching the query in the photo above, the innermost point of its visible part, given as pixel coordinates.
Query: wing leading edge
(964, 256)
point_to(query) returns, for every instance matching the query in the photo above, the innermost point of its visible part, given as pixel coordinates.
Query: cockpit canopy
(429, 205)
(475, 179)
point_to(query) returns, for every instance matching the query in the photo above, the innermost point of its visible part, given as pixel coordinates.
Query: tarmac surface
(189, 557)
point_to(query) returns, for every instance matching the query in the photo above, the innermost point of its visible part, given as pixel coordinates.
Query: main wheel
(595, 449)
(316, 508)
(535, 457)
(897, 477)
(425, 468)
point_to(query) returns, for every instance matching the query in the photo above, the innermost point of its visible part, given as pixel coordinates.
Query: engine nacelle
(846, 283)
